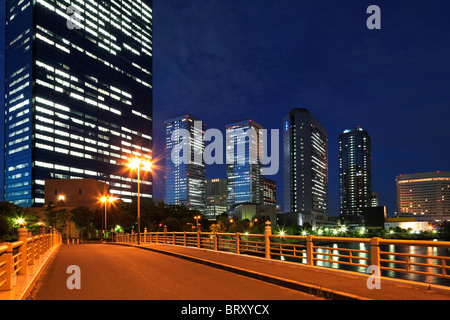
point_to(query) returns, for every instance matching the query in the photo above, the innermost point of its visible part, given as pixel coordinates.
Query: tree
(57, 218)
(126, 215)
(172, 224)
(446, 231)
(5, 229)
(83, 219)
(10, 213)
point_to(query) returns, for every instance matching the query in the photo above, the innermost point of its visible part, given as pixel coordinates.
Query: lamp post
(197, 218)
(105, 200)
(139, 164)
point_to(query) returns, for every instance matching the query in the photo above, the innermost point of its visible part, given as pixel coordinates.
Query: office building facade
(185, 176)
(244, 152)
(216, 198)
(305, 151)
(269, 192)
(355, 173)
(425, 195)
(79, 93)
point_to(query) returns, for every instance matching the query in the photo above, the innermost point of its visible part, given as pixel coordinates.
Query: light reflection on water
(420, 250)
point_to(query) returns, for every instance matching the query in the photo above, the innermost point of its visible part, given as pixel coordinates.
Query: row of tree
(122, 217)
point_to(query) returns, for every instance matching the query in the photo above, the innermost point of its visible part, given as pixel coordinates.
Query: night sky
(224, 60)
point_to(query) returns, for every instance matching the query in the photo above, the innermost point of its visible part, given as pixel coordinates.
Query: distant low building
(374, 217)
(406, 223)
(251, 210)
(269, 191)
(72, 193)
(216, 198)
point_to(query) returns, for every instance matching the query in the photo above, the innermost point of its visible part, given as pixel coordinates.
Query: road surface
(110, 272)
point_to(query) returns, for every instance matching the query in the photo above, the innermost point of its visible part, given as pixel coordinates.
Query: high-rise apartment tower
(305, 162)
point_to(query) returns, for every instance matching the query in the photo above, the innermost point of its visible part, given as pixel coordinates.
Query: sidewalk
(23, 284)
(325, 282)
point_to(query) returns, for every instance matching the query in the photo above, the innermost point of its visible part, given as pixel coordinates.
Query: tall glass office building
(355, 173)
(244, 152)
(78, 94)
(185, 182)
(305, 150)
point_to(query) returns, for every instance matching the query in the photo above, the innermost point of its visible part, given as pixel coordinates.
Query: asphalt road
(109, 272)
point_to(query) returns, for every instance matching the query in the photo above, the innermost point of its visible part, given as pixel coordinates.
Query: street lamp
(197, 218)
(139, 164)
(105, 200)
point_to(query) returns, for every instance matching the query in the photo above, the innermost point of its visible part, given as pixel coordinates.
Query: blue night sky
(223, 60)
(226, 60)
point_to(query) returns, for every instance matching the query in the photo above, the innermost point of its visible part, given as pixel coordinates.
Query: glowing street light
(105, 200)
(139, 164)
(21, 222)
(197, 218)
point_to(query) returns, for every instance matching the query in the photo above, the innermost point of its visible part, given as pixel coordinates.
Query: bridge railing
(313, 250)
(15, 257)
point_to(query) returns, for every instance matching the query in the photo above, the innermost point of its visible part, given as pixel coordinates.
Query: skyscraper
(305, 150)
(244, 152)
(78, 94)
(355, 173)
(185, 177)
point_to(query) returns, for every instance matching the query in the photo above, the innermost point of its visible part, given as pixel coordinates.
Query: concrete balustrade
(310, 250)
(17, 256)
(74, 241)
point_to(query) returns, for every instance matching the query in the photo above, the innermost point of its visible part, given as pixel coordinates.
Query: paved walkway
(329, 283)
(23, 284)
(323, 282)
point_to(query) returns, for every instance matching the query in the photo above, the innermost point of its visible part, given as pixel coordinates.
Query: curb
(38, 274)
(318, 291)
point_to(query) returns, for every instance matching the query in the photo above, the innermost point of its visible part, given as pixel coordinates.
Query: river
(421, 250)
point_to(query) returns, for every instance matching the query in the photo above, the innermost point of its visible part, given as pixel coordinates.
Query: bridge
(220, 266)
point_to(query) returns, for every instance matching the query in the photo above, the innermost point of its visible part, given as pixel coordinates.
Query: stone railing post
(42, 239)
(22, 236)
(375, 252)
(310, 250)
(165, 234)
(8, 285)
(31, 245)
(198, 239)
(267, 234)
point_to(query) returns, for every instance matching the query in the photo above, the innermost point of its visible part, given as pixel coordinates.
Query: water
(421, 250)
